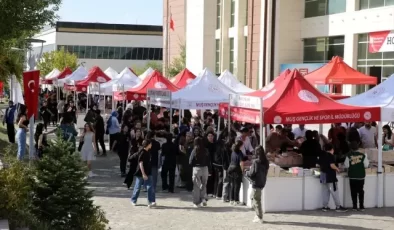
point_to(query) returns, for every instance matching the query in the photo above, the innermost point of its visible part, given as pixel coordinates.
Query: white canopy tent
(232, 82)
(111, 73)
(146, 73)
(79, 74)
(126, 79)
(204, 92)
(381, 95)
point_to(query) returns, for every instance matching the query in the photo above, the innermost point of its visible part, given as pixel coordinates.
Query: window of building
(315, 8)
(231, 55)
(217, 58)
(218, 13)
(247, 12)
(366, 60)
(115, 53)
(369, 4)
(321, 50)
(232, 17)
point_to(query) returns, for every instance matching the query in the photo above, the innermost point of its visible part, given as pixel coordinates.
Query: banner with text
(382, 41)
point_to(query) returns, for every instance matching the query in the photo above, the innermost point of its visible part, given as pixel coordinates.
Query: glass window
(134, 52)
(218, 13)
(151, 54)
(362, 50)
(88, 51)
(140, 53)
(232, 18)
(363, 4)
(93, 53)
(217, 66)
(70, 49)
(312, 55)
(389, 3)
(336, 6)
(105, 54)
(376, 3)
(75, 50)
(129, 51)
(231, 55)
(111, 52)
(122, 53)
(160, 54)
(363, 38)
(387, 71)
(247, 12)
(82, 50)
(145, 55)
(334, 50)
(323, 49)
(116, 53)
(388, 55)
(100, 54)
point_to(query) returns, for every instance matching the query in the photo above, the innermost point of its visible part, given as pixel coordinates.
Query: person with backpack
(258, 175)
(356, 162)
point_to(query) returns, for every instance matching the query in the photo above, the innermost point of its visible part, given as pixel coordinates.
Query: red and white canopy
(95, 75)
(125, 80)
(183, 78)
(65, 73)
(145, 74)
(296, 101)
(154, 81)
(111, 73)
(52, 75)
(79, 74)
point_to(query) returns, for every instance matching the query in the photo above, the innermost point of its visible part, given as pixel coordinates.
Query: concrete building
(105, 45)
(255, 38)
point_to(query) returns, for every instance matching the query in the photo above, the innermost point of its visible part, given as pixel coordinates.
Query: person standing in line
(211, 146)
(154, 153)
(8, 120)
(100, 131)
(200, 160)
(45, 114)
(328, 178)
(356, 162)
(60, 108)
(258, 174)
(168, 152)
(123, 148)
(113, 128)
(23, 123)
(226, 164)
(144, 175)
(88, 147)
(187, 168)
(235, 172)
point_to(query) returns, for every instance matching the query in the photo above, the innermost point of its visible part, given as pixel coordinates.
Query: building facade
(105, 45)
(253, 38)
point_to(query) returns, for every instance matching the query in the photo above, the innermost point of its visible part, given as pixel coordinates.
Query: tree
(59, 59)
(11, 63)
(156, 65)
(60, 197)
(178, 63)
(23, 18)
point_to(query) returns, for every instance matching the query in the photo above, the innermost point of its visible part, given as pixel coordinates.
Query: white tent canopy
(111, 73)
(54, 73)
(146, 73)
(381, 95)
(232, 82)
(204, 92)
(78, 75)
(126, 78)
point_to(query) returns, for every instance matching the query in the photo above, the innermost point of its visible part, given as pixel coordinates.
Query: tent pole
(380, 191)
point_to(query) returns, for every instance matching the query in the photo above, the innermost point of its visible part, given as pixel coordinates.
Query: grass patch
(3, 139)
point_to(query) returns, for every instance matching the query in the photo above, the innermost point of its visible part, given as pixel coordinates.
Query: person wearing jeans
(200, 160)
(328, 178)
(235, 172)
(356, 162)
(154, 153)
(144, 175)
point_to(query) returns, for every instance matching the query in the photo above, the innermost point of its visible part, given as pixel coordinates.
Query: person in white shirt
(368, 135)
(299, 131)
(247, 147)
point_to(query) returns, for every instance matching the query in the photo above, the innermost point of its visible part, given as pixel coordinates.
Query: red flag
(1, 88)
(172, 26)
(31, 86)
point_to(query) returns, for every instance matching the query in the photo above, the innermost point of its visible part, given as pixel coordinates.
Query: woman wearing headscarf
(211, 145)
(113, 128)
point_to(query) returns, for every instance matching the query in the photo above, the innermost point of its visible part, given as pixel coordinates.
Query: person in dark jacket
(217, 166)
(45, 114)
(226, 163)
(123, 143)
(9, 120)
(99, 128)
(310, 150)
(235, 172)
(168, 152)
(211, 146)
(154, 153)
(91, 115)
(258, 176)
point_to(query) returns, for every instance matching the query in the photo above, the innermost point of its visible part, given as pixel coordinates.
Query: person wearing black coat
(99, 129)
(211, 146)
(168, 152)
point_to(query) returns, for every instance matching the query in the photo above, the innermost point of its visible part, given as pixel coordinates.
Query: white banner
(247, 102)
(382, 41)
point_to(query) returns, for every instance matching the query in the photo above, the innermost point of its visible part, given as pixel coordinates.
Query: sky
(148, 12)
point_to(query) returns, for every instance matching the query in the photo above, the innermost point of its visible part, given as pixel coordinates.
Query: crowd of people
(195, 155)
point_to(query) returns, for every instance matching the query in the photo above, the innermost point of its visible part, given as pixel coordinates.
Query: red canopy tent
(67, 71)
(277, 81)
(338, 72)
(299, 102)
(153, 81)
(95, 75)
(183, 78)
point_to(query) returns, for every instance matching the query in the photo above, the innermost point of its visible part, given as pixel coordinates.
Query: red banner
(1, 88)
(31, 86)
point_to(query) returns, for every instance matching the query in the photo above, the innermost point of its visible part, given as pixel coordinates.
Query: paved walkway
(175, 211)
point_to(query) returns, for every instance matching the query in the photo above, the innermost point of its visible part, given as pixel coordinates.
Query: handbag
(80, 146)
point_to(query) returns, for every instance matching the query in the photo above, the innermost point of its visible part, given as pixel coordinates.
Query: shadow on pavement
(319, 225)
